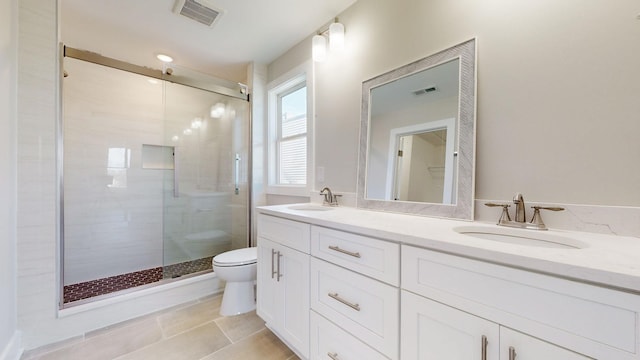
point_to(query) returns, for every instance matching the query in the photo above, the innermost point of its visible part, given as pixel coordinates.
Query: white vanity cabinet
(553, 318)
(283, 280)
(443, 332)
(335, 287)
(435, 331)
(354, 296)
(518, 346)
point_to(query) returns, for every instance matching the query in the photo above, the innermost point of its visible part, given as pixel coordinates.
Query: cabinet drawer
(362, 306)
(289, 233)
(372, 257)
(329, 340)
(574, 315)
(527, 347)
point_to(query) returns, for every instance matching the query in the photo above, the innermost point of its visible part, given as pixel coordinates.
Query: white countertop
(607, 260)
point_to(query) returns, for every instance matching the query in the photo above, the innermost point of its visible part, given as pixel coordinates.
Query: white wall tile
(37, 274)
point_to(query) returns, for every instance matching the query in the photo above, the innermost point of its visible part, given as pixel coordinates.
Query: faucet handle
(551, 208)
(504, 217)
(537, 218)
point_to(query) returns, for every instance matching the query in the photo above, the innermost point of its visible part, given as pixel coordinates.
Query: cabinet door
(518, 346)
(433, 331)
(294, 287)
(267, 298)
(328, 341)
(283, 293)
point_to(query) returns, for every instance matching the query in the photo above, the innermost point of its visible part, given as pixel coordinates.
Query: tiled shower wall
(122, 212)
(113, 207)
(39, 318)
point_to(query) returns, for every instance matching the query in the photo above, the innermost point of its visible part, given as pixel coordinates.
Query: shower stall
(154, 174)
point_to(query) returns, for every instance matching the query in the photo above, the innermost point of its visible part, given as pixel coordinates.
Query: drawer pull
(349, 304)
(333, 355)
(336, 248)
(512, 353)
(273, 264)
(279, 274)
(483, 350)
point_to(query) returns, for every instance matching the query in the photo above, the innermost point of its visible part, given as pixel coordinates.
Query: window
(289, 134)
(292, 137)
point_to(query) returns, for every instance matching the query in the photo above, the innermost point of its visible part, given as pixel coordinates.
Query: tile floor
(194, 331)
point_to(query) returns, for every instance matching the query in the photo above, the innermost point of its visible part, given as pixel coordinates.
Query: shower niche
(151, 183)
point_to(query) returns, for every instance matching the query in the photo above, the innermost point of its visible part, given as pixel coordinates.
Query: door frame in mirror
(463, 207)
(392, 163)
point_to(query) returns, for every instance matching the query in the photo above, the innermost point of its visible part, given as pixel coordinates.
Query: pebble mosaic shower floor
(89, 289)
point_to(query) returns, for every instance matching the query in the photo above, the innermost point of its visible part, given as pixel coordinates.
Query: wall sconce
(335, 33)
(319, 48)
(336, 36)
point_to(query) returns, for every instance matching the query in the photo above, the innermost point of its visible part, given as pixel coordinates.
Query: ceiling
(247, 31)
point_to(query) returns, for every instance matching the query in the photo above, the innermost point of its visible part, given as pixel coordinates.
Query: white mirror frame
(463, 208)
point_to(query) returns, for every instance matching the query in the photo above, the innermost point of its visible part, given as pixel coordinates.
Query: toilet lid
(237, 257)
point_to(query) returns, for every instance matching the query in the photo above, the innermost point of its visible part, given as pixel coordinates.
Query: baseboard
(13, 351)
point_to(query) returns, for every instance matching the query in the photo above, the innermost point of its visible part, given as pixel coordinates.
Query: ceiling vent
(200, 11)
(425, 90)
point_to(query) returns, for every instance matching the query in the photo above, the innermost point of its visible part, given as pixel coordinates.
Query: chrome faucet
(520, 220)
(330, 198)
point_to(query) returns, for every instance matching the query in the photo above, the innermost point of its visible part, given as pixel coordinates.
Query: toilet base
(238, 298)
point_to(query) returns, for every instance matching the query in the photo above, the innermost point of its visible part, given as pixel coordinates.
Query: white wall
(257, 75)
(9, 337)
(557, 91)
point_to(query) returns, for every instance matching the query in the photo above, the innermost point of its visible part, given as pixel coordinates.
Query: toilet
(238, 269)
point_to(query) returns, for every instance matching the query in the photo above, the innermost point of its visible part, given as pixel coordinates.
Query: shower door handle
(176, 190)
(237, 174)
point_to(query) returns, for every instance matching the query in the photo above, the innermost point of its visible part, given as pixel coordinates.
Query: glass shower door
(112, 208)
(205, 191)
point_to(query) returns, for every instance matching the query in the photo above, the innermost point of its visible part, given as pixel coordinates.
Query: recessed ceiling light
(164, 58)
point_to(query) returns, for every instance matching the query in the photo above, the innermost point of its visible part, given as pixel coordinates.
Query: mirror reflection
(417, 136)
(413, 137)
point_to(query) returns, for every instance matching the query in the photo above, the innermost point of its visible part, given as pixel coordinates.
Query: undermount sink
(310, 207)
(521, 237)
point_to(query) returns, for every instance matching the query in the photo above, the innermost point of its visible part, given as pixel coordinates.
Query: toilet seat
(237, 257)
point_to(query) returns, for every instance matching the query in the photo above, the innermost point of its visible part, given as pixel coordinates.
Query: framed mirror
(417, 136)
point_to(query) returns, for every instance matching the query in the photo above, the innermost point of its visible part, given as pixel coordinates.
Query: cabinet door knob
(483, 348)
(333, 355)
(273, 264)
(279, 274)
(512, 353)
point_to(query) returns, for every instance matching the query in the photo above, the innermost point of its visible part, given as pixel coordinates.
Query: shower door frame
(241, 92)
